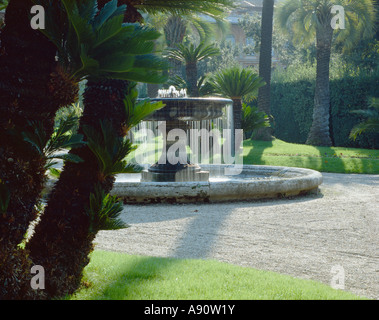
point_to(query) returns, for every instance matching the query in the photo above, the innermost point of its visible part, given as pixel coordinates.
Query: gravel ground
(308, 237)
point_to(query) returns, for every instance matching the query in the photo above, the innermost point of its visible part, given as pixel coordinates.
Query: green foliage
(62, 139)
(235, 82)
(292, 103)
(212, 8)
(253, 119)
(137, 110)
(110, 149)
(191, 53)
(3, 4)
(306, 17)
(104, 211)
(99, 44)
(371, 124)
(227, 57)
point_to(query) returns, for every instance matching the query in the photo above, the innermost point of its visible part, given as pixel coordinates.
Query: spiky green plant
(235, 83)
(104, 212)
(55, 146)
(371, 124)
(253, 119)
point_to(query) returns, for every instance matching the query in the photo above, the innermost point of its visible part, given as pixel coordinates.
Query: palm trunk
(63, 241)
(237, 113)
(265, 60)
(27, 87)
(191, 73)
(175, 30)
(319, 133)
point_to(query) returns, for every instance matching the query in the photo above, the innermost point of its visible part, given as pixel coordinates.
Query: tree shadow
(257, 150)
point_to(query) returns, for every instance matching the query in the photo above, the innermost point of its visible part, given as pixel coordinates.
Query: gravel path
(307, 237)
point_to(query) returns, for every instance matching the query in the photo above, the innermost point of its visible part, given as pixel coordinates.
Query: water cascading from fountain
(194, 121)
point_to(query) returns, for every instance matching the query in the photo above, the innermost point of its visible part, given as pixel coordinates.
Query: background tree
(234, 83)
(191, 55)
(311, 19)
(265, 65)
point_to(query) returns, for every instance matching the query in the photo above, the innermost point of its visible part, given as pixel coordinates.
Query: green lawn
(324, 159)
(281, 153)
(116, 276)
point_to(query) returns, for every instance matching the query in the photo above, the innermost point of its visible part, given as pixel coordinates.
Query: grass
(281, 153)
(324, 159)
(116, 276)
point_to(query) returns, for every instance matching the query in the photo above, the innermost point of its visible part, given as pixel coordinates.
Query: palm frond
(97, 44)
(62, 139)
(110, 149)
(189, 53)
(253, 119)
(136, 111)
(235, 82)
(212, 8)
(104, 211)
(302, 18)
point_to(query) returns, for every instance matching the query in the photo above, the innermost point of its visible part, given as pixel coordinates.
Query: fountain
(176, 179)
(178, 111)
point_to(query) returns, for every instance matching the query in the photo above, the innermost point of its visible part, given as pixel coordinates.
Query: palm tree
(371, 124)
(63, 238)
(32, 87)
(190, 55)
(265, 60)
(235, 83)
(310, 20)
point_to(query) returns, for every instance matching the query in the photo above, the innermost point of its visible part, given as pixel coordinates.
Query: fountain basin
(254, 182)
(189, 109)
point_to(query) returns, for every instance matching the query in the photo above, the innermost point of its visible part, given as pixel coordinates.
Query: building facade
(237, 35)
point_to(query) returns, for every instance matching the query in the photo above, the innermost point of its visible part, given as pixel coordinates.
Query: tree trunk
(175, 30)
(237, 113)
(28, 87)
(319, 134)
(62, 241)
(265, 61)
(191, 73)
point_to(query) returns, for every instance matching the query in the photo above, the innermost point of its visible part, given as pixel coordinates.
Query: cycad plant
(311, 20)
(253, 120)
(62, 242)
(371, 124)
(30, 83)
(235, 83)
(191, 55)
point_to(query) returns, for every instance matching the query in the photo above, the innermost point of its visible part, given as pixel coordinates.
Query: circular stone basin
(254, 182)
(189, 109)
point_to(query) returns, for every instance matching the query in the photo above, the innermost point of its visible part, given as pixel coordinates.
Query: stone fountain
(179, 110)
(182, 181)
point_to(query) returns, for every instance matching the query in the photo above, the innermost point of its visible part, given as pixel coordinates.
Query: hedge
(292, 109)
